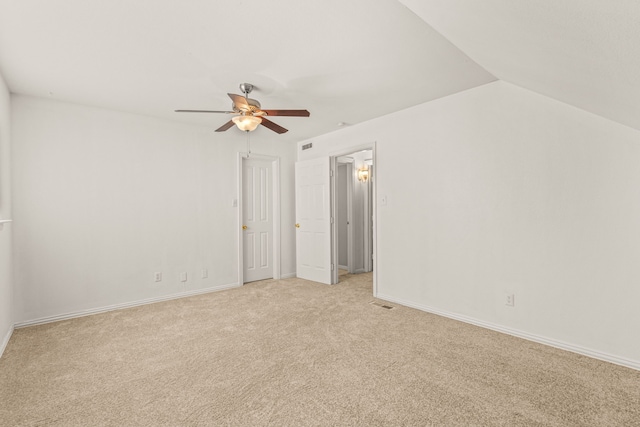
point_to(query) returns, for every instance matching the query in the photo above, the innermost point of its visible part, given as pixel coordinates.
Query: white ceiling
(582, 52)
(344, 61)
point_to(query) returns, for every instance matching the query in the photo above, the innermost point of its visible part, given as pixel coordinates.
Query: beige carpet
(297, 353)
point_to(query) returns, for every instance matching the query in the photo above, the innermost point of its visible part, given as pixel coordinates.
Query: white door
(313, 220)
(257, 222)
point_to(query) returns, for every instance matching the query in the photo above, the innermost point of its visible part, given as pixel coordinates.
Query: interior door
(313, 220)
(257, 219)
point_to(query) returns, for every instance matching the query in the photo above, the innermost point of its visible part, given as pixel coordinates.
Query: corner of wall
(5, 341)
(6, 261)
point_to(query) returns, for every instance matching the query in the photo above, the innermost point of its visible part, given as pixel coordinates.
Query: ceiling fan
(250, 113)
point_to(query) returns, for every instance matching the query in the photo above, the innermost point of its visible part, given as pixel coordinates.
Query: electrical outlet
(205, 273)
(510, 300)
(157, 276)
(183, 276)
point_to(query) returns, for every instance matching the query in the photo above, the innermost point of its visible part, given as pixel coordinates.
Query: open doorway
(353, 248)
(344, 214)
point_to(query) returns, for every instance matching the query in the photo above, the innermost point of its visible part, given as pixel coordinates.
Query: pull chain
(245, 90)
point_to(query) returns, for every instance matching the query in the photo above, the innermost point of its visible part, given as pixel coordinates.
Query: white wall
(499, 190)
(6, 285)
(104, 199)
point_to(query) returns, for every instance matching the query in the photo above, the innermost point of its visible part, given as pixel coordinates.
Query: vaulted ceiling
(582, 52)
(344, 61)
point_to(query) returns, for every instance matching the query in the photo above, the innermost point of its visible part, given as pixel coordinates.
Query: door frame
(368, 220)
(333, 157)
(275, 206)
(348, 162)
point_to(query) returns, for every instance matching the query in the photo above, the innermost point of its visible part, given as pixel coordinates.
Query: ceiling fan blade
(203, 111)
(225, 126)
(292, 113)
(274, 127)
(240, 102)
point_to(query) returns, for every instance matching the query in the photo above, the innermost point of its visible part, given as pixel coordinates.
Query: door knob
(297, 225)
(244, 227)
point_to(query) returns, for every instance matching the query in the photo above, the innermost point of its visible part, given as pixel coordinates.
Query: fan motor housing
(254, 104)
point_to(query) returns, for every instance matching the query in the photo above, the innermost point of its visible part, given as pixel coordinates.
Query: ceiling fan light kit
(250, 113)
(247, 123)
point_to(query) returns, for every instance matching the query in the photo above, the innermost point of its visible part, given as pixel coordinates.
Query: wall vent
(307, 146)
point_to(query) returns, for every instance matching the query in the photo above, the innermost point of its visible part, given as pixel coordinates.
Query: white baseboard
(5, 341)
(82, 313)
(628, 363)
(288, 275)
(360, 271)
(343, 267)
